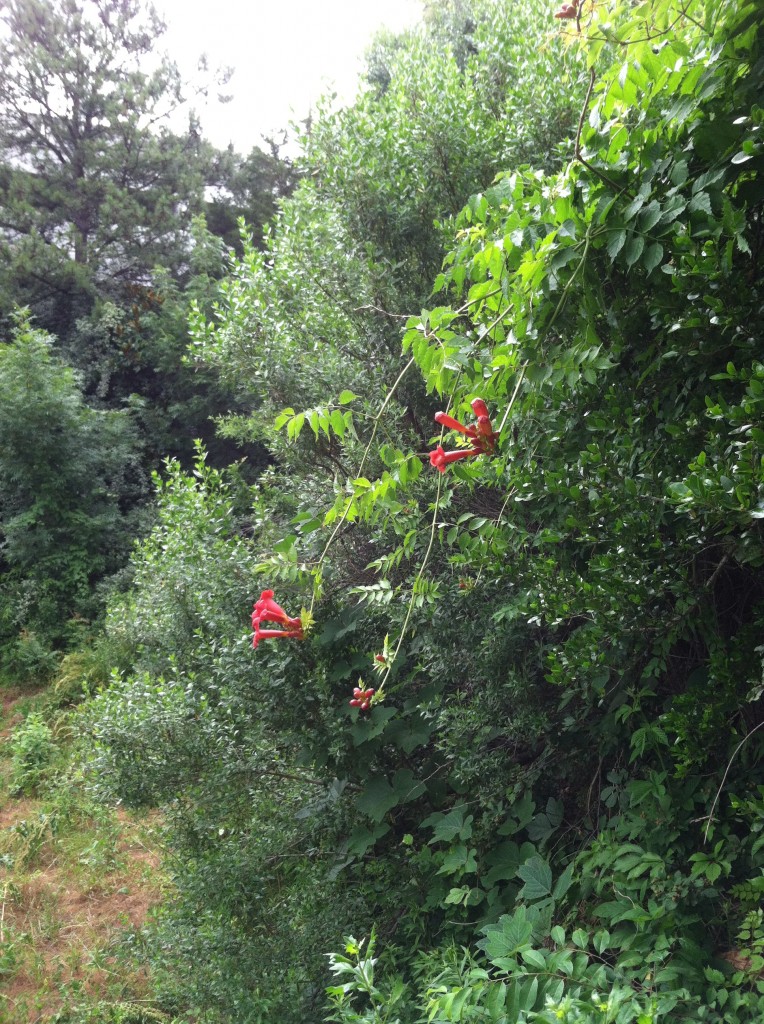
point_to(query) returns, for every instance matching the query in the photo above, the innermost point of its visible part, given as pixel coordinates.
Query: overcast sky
(285, 53)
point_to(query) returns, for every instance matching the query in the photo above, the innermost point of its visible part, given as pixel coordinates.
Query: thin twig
(349, 502)
(577, 150)
(724, 779)
(422, 567)
(378, 309)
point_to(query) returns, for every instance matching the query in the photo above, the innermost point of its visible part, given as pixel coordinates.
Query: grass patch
(77, 882)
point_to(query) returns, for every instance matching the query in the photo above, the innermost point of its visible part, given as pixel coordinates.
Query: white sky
(286, 53)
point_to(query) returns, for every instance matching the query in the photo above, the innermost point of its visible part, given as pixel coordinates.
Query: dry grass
(77, 884)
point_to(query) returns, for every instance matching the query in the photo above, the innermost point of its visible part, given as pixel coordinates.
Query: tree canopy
(95, 187)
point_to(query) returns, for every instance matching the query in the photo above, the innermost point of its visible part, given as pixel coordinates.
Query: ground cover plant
(466, 690)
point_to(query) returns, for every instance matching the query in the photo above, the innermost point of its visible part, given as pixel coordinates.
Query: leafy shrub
(67, 473)
(558, 768)
(33, 754)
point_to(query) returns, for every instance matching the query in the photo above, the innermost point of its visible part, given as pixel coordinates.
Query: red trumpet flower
(266, 610)
(448, 421)
(482, 435)
(440, 459)
(265, 634)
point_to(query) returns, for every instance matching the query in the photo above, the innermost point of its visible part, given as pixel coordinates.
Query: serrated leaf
(700, 201)
(563, 883)
(634, 248)
(508, 937)
(650, 215)
(616, 240)
(534, 958)
(448, 826)
(652, 256)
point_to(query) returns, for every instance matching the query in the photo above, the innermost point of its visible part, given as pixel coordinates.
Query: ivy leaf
(448, 826)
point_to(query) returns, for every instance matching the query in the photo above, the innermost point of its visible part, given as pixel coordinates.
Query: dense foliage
(552, 807)
(69, 479)
(104, 244)
(95, 189)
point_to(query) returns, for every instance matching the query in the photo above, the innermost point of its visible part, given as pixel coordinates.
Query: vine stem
(422, 567)
(710, 821)
(348, 504)
(508, 410)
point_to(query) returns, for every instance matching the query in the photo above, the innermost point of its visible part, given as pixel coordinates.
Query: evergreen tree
(95, 189)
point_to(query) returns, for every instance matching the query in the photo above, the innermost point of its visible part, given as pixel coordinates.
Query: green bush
(68, 478)
(34, 753)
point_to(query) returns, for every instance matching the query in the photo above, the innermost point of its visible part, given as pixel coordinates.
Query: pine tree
(95, 188)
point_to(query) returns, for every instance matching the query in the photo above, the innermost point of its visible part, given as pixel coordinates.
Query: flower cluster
(362, 698)
(482, 436)
(568, 11)
(266, 610)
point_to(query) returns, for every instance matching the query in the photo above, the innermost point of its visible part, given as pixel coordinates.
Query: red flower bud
(484, 427)
(479, 407)
(355, 703)
(448, 421)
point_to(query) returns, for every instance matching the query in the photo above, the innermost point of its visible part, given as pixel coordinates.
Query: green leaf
(378, 797)
(563, 883)
(448, 826)
(508, 937)
(650, 215)
(652, 256)
(633, 249)
(534, 958)
(346, 397)
(537, 876)
(616, 240)
(337, 422)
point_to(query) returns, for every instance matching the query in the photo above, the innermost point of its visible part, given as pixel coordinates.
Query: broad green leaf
(616, 240)
(652, 256)
(537, 876)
